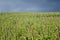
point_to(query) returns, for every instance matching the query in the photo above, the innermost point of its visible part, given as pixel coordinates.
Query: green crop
(30, 26)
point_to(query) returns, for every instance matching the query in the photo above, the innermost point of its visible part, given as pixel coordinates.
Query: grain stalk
(58, 33)
(32, 35)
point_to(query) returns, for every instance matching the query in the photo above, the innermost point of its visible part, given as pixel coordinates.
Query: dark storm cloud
(29, 5)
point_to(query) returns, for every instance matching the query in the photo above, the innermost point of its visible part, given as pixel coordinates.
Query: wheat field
(30, 26)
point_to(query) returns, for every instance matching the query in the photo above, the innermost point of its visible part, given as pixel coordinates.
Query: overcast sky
(29, 5)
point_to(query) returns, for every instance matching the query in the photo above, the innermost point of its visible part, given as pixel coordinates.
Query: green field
(30, 26)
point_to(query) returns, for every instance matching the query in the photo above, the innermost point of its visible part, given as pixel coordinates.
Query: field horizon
(30, 26)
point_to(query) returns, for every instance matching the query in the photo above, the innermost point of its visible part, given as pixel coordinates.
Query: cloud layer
(29, 5)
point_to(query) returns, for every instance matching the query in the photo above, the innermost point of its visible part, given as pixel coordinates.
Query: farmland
(30, 26)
